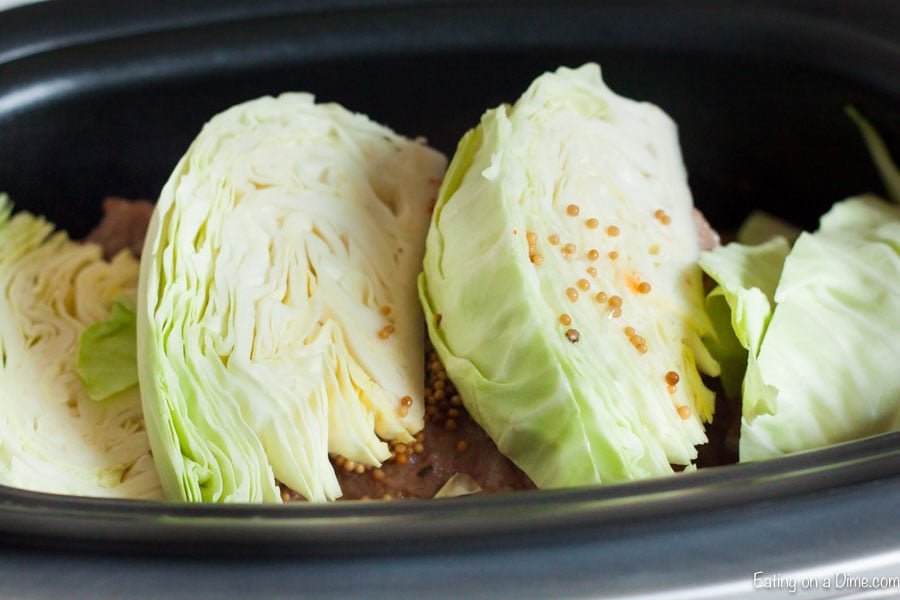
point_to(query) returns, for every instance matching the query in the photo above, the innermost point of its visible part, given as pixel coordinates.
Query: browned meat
(723, 433)
(124, 225)
(709, 237)
(466, 449)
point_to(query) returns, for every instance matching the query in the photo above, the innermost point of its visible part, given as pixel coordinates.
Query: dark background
(99, 98)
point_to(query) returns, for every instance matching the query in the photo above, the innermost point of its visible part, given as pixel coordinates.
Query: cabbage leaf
(741, 307)
(278, 321)
(761, 226)
(561, 288)
(884, 163)
(823, 343)
(107, 352)
(459, 484)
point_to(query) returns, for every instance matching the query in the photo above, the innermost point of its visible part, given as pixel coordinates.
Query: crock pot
(99, 98)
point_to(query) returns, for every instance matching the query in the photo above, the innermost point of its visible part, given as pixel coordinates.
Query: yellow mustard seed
(662, 217)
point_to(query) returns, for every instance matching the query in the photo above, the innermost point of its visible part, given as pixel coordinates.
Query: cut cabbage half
(561, 289)
(277, 314)
(53, 436)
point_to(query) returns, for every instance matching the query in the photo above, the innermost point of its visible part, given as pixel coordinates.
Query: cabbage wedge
(561, 289)
(277, 313)
(53, 436)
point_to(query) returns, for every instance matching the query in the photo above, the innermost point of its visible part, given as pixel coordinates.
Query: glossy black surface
(100, 99)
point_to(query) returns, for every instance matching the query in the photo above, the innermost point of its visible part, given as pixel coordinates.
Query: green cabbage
(53, 437)
(277, 313)
(577, 403)
(821, 324)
